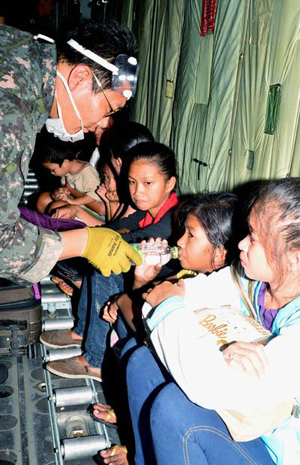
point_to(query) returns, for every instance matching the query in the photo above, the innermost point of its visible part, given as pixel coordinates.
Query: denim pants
(96, 290)
(169, 429)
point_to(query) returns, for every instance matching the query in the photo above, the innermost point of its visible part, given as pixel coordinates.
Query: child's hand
(246, 356)
(58, 193)
(143, 273)
(65, 197)
(68, 199)
(161, 292)
(101, 191)
(110, 312)
(67, 212)
(112, 196)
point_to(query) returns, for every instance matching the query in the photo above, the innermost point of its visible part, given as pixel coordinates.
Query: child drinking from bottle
(207, 242)
(244, 377)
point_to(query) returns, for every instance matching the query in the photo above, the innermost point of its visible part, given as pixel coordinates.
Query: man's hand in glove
(108, 252)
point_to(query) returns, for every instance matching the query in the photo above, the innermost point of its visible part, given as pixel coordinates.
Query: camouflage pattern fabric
(27, 86)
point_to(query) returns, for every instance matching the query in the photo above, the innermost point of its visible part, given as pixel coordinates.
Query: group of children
(180, 379)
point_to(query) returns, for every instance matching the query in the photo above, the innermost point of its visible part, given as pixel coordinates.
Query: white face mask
(56, 125)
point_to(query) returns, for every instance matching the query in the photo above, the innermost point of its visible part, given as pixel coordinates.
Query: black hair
(216, 214)
(277, 205)
(107, 39)
(158, 154)
(122, 136)
(129, 135)
(56, 151)
(117, 142)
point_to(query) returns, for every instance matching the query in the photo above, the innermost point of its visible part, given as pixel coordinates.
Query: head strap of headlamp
(124, 70)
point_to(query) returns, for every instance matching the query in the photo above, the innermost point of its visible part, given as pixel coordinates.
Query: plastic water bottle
(154, 253)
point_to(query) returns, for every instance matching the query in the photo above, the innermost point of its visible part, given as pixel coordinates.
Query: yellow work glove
(108, 252)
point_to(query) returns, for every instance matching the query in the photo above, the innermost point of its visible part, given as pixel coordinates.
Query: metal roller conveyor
(73, 396)
(57, 323)
(62, 354)
(51, 288)
(53, 301)
(54, 297)
(79, 448)
(30, 190)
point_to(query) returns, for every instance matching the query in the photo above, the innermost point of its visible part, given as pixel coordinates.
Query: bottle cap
(137, 249)
(175, 252)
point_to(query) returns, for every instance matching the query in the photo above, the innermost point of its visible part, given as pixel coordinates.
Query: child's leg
(82, 308)
(102, 288)
(43, 200)
(145, 378)
(183, 432)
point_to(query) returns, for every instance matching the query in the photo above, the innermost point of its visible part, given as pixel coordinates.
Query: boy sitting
(78, 178)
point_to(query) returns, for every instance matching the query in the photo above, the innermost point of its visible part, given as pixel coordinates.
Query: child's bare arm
(101, 191)
(246, 356)
(126, 307)
(143, 274)
(164, 290)
(76, 212)
(83, 200)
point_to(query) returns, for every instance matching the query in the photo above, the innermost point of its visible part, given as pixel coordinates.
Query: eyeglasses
(111, 110)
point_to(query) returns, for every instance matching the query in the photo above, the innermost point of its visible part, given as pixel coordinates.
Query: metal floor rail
(44, 418)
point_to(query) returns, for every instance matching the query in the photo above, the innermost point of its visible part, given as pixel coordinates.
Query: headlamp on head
(124, 71)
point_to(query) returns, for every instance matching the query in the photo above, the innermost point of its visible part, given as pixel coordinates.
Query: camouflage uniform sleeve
(25, 254)
(22, 245)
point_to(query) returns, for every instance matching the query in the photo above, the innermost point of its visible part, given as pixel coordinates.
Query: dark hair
(129, 135)
(122, 136)
(56, 151)
(117, 143)
(277, 205)
(158, 154)
(215, 212)
(107, 39)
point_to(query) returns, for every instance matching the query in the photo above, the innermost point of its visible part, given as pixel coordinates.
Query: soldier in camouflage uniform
(30, 91)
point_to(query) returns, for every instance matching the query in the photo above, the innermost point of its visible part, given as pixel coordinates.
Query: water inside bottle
(154, 253)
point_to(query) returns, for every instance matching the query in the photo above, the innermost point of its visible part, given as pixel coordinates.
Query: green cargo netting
(228, 103)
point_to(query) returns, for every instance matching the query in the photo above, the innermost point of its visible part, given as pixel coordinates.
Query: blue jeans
(169, 429)
(96, 290)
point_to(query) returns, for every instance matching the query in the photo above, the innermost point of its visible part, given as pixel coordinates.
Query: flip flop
(114, 451)
(110, 415)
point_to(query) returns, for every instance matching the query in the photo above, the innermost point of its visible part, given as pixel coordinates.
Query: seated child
(152, 179)
(215, 213)
(78, 178)
(108, 190)
(207, 244)
(114, 148)
(115, 144)
(197, 380)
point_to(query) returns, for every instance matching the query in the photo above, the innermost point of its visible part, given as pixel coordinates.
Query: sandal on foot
(117, 449)
(109, 414)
